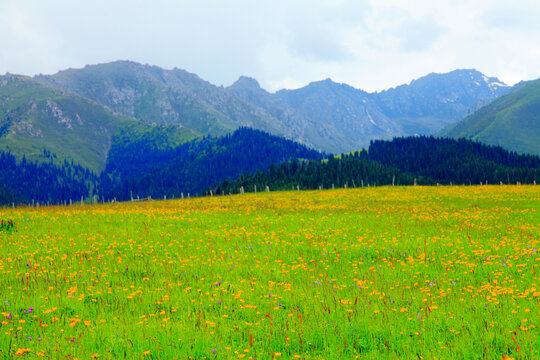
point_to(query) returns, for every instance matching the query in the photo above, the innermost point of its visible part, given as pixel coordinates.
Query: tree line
(142, 169)
(26, 182)
(423, 160)
(250, 159)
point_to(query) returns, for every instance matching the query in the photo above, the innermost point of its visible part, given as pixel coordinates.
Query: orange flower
(22, 351)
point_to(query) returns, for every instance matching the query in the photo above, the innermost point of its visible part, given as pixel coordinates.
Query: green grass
(416, 272)
(510, 121)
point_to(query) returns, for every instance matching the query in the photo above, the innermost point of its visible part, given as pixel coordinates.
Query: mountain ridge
(325, 115)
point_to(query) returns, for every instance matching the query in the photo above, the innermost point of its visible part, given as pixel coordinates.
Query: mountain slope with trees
(34, 117)
(402, 161)
(142, 170)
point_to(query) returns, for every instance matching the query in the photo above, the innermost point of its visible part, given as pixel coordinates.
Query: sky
(369, 44)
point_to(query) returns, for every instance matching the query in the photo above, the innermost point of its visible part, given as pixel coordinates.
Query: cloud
(398, 29)
(517, 15)
(26, 42)
(371, 44)
(315, 31)
(319, 44)
(419, 35)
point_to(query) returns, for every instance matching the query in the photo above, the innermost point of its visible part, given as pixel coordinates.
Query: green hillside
(35, 117)
(512, 121)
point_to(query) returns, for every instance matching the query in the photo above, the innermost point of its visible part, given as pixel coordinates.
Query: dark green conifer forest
(251, 159)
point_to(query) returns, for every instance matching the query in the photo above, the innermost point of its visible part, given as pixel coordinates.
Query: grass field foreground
(390, 272)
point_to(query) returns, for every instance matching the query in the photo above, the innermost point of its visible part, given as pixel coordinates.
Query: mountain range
(80, 114)
(324, 115)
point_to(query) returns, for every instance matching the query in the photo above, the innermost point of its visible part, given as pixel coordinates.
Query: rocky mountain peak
(246, 83)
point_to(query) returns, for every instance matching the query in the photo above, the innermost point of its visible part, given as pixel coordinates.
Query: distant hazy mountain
(512, 121)
(352, 117)
(297, 125)
(353, 113)
(426, 103)
(324, 115)
(35, 117)
(423, 107)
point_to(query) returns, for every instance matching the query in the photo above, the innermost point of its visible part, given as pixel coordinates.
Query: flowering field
(391, 272)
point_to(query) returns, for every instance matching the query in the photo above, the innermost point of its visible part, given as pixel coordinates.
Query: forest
(28, 182)
(420, 160)
(249, 159)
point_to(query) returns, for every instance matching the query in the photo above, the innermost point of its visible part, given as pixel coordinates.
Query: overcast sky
(369, 44)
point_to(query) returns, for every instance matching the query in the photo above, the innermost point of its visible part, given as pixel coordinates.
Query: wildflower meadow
(380, 273)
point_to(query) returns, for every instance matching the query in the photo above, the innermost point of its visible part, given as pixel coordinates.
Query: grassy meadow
(389, 272)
